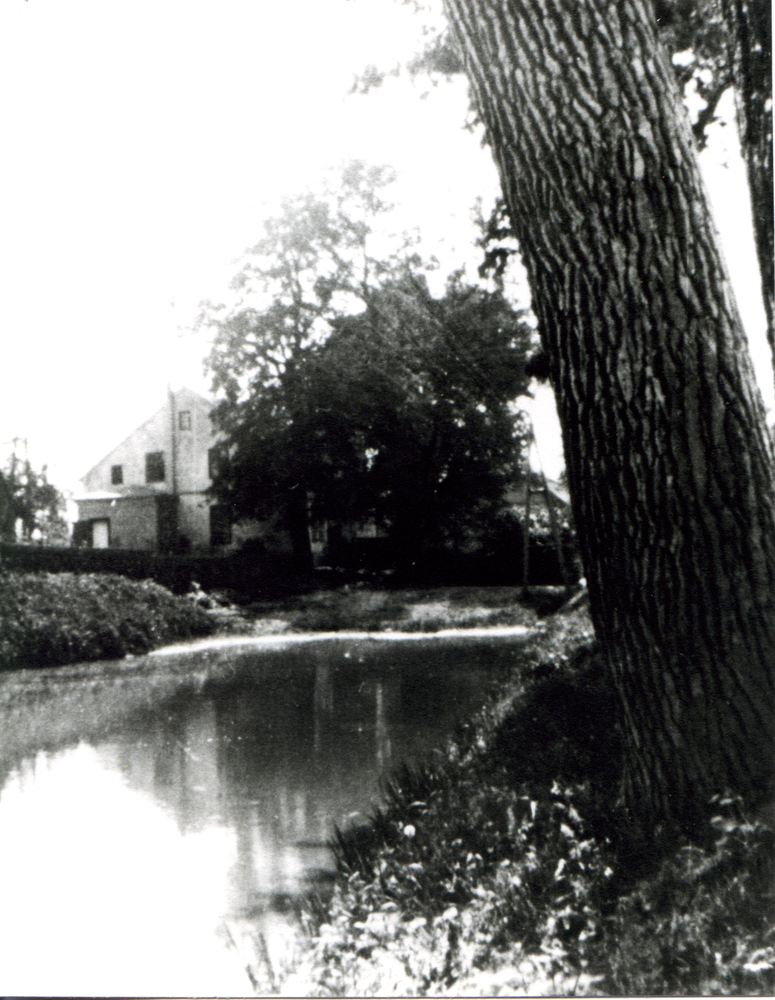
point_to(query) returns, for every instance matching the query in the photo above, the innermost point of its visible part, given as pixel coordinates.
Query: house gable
(152, 487)
(183, 456)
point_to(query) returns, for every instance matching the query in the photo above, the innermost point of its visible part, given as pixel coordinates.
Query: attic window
(154, 467)
(184, 420)
(116, 475)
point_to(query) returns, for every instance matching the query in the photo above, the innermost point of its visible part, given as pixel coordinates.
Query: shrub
(49, 619)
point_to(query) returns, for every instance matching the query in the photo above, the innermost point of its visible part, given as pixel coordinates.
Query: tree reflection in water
(259, 769)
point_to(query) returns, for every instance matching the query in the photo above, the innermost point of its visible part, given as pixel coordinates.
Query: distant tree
(426, 405)
(313, 262)
(29, 499)
(351, 392)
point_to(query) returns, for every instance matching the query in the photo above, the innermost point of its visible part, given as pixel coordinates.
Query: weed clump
(50, 619)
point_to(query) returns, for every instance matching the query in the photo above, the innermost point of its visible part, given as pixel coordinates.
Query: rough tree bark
(749, 25)
(669, 461)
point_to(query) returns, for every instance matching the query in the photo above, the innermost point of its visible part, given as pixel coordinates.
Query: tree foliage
(426, 400)
(27, 497)
(351, 393)
(313, 260)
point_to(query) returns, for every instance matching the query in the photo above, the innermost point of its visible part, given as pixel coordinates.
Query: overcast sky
(144, 143)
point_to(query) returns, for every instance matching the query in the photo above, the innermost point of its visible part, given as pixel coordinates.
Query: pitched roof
(178, 392)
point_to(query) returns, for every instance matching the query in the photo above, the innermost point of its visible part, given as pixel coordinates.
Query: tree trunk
(297, 521)
(749, 25)
(669, 460)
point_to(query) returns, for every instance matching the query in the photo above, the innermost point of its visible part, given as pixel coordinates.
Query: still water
(135, 843)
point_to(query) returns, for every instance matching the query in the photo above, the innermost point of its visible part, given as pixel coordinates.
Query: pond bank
(366, 608)
(503, 868)
(497, 869)
(51, 619)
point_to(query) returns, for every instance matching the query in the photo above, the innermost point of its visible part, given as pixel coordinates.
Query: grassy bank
(373, 609)
(505, 868)
(48, 619)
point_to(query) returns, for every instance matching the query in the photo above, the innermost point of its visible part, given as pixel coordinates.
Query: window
(117, 474)
(184, 420)
(220, 525)
(154, 467)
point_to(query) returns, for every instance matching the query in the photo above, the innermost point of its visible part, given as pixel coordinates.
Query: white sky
(144, 143)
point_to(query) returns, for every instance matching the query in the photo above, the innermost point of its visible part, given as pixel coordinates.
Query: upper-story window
(117, 474)
(184, 420)
(154, 467)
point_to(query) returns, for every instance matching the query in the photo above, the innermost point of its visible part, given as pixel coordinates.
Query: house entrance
(100, 534)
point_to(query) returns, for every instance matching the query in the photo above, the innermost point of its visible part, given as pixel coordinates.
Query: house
(545, 503)
(150, 492)
(543, 492)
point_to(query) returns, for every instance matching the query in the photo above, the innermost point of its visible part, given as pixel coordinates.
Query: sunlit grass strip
(283, 639)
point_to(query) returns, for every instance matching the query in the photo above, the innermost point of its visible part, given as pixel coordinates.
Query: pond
(155, 814)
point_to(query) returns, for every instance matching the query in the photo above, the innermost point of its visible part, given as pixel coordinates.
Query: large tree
(715, 45)
(669, 461)
(352, 393)
(312, 261)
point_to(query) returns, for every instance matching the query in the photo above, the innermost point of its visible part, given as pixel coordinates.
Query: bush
(49, 619)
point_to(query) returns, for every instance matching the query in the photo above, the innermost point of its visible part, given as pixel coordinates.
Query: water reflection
(101, 894)
(220, 805)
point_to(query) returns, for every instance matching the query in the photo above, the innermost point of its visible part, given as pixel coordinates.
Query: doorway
(100, 534)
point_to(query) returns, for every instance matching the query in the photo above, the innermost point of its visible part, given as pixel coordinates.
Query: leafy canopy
(347, 382)
(27, 497)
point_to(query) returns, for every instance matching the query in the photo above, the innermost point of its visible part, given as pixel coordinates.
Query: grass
(49, 619)
(503, 868)
(368, 609)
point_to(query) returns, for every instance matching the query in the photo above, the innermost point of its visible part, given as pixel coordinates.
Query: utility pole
(173, 442)
(526, 542)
